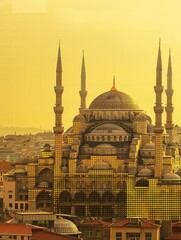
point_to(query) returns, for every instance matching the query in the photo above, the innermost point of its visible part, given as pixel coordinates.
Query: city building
(95, 229)
(129, 229)
(111, 163)
(29, 232)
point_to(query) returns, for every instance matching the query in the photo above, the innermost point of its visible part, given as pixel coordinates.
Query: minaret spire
(83, 92)
(114, 83)
(158, 109)
(169, 92)
(58, 130)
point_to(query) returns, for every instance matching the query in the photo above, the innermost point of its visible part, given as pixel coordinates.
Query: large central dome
(114, 100)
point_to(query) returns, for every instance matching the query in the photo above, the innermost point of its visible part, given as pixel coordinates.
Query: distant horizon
(15, 130)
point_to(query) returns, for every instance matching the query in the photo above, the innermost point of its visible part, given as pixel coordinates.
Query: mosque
(113, 162)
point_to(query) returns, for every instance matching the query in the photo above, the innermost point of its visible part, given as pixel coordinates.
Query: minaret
(58, 130)
(83, 92)
(169, 107)
(158, 129)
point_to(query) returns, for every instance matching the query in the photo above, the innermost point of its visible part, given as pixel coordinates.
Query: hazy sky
(119, 37)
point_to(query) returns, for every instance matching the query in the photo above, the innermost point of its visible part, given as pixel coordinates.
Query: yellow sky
(119, 37)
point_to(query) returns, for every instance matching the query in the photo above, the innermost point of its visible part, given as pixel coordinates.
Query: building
(129, 229)
(95, 230)
(112, 162)
(29, 232)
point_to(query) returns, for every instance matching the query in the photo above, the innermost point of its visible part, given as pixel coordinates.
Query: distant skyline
(118, 37)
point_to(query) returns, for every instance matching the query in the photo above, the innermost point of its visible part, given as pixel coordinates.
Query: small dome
(171, 177)
(141, 117)
(105, 146)
(102, 165)
(65, 227)
(44, 184)
(79, 118)
(114, 100)
(109, 129)
(149, 146)
(145, 172)
(46, 147)
(19, 170)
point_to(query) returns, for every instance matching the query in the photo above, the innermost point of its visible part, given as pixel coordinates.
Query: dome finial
(113, 87)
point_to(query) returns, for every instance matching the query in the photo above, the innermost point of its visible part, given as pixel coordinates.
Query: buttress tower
(83, 92)
(58, 130)
(158, 109)
(169, 108)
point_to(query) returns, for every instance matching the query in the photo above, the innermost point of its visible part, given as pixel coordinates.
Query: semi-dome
(44, 184)
(102, 165)
(65, 227)
(145, 172)
(114, 100)
(109, 128)
(142, 117)
(79, 118)
(171, 177)
(149, 146)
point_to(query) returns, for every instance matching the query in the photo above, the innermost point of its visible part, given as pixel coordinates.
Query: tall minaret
(83, 92)
(158, 129)
(58, 130)
(169, 107)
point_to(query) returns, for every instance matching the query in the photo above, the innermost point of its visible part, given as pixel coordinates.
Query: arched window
(94, 197)
(107, 197)
(65, 196)
(142, 183)
(44, 201)
(80, 197)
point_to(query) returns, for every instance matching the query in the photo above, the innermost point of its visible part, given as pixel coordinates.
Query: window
(16, 205)
(21, 197)
(22, 237)
(148, 236)
(26, 197)
(21, 205)
(26, 206)
(132, 236)
(89, 233)
(10, 196)
(98, 233)
(10, 205)
(106, 232)
(118, 235)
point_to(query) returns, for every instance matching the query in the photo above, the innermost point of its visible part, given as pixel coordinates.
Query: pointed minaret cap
(59, 62)
(159, 58)
(169, 70)
(113, 87)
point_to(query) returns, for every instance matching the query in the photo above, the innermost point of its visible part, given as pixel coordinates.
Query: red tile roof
(6, 166)
(143, 224)
(95, 222)
(14, 229)
(38, 234)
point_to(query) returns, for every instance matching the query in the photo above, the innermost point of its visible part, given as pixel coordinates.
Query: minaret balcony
(83, 93)
(158, 89)
(169, 92)
(169, 125)
(58, 89)
(158, 129)
(158, 109)
(169, 109)
(58, 110)
(58, 129)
